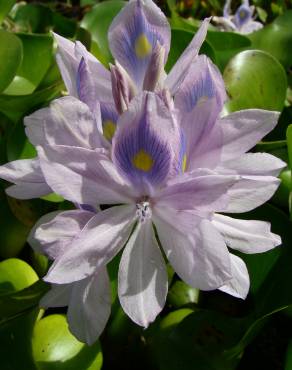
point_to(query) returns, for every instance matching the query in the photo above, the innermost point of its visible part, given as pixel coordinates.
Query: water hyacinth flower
(241, 21)
(141, 24)
(170, 165)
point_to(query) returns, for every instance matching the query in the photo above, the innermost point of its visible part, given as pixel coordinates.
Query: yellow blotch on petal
(242, 14)
(142, 161)
(184, 163)
(109, 129)
(202, 100)
(142, 46)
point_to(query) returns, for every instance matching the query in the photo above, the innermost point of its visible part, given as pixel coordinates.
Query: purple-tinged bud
(123, 87)
(155, 70)
(166, 97)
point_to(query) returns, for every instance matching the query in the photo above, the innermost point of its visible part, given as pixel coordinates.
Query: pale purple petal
(133, 35)
(199, 256)
(179, 71)
(238, 286)
(155, 74)
(142, 276)
(227, 8)
(243, 129)
(83, 176)
(99, 241)
(32, 241)
(247, 236)
(199, 100)
(67, 121)
(86, 88)
(204, 193)
(250, 192)
(68, 63)
(203, 81)
(28, 178)
(250, 27)
(147, 143)
(261, 164)
(55, 232)
(90, 306)
(68, 57)
(57, 296)
(207, 150)
(96, 75)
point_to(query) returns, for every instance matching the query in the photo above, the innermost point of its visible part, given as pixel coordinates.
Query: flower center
(143, 211)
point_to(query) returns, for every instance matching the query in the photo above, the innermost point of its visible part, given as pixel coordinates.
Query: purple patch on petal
(242, 16)
(204, 88)
(182, 153)
(109, 117)
(146, 144)
(133, 38)
(81, 70)
(142, 156)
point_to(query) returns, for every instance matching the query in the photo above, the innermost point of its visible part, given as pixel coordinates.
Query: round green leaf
(13, 233)
(98, 20)
(276, 38)
(15, 275)
(15, 107)
(55, 348)
(181, 294)
(255, 79)
(174, 318)
(226, 45)
(10, 56)
(39, 262)
(37, 58)
(15, 341)
(18, 146)
(180, 39)
(34, 18)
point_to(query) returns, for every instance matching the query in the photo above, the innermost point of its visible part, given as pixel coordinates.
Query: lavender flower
(242, 21)
(162, 159)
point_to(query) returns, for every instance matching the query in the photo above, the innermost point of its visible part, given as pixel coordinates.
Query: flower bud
(123, 87)
(155, 70)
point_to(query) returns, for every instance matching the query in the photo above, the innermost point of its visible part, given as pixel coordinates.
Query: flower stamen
(143, 211)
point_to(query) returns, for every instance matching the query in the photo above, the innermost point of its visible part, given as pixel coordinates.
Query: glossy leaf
(37, 57)
(98, 21)
(226, 45)
(13, 233)
(181, 294)
(55, 348)
(18, 146)
(255, 79)
(276, 38)
(14, 304)
(10, 56)
(15, 275)
(180, 39)
(33, 18)
(15, 107)
(15, 341)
